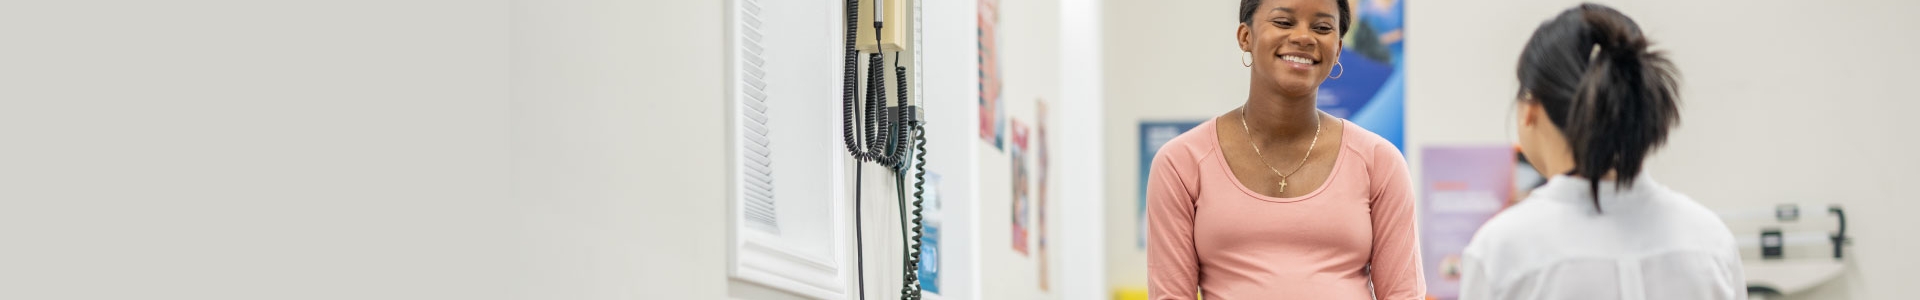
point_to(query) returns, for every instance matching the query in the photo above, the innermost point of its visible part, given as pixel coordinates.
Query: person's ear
(1339, 40)
(1339, 45)
(1245, 36)
(1530, 112)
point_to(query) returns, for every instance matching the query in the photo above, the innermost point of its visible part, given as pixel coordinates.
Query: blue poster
(930, 236)
(1152, 136)
(1372, 88)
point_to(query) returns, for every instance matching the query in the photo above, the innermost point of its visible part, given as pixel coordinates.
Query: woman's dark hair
(1248, 6)
(1613, 99)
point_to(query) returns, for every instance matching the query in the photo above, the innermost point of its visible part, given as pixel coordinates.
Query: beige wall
(365, 150)
(255, 150)
(409, 149)
(594, 126)
(1826, 125)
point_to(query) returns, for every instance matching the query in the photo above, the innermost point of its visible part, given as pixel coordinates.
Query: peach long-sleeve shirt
(1211, 235)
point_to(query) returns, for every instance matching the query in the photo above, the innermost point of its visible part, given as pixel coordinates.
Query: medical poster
(1462, 188)
(1022, 207)
(1371, 88)
(1040, 192)
(1153, 134)
(993, 115)
(930, 235)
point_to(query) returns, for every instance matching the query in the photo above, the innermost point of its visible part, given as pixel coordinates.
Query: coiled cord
(876, 101)
(880, 146)
(906, 111)
(911, 214)
(912, 289)
(916, 134)
(851, 135)
(888, 149)
(848, 94)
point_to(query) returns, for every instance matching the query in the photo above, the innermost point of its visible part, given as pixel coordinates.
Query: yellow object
(892, 31)
(1130, 293)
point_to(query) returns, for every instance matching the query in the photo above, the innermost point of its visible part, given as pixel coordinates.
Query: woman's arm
(1396, 244)
(1173, 270)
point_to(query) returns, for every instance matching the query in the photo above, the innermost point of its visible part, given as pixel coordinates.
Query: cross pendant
(1283, 185)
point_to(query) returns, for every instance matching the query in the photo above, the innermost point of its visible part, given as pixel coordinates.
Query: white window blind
(755, 137)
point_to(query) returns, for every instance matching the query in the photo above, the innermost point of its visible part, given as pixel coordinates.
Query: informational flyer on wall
(1022, 202)
(1039, 141)
(1463, 187)
(930, 234)
(1153, 134)
(1371, 86)
(993, 114)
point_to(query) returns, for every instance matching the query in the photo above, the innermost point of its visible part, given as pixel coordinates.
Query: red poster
(1021, 202)
(991, 112)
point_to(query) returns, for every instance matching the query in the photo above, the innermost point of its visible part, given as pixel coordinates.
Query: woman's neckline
(1219, 149)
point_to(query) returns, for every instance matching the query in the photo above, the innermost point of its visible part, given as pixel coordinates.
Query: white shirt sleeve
(1474, 282)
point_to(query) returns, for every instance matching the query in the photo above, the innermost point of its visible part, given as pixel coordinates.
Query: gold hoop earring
(1244, 58)
(1343, 70)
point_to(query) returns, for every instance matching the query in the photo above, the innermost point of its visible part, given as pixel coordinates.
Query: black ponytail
(1612, 98)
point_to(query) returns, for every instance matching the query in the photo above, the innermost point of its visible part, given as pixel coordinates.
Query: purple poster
(1461, 188)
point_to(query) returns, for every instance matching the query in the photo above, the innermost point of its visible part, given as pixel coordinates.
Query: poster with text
(930, 221)
(1040, 181)
(1153, 134)
(1022, 208)
(1463, 187)
(1371, 88)
(992, 115)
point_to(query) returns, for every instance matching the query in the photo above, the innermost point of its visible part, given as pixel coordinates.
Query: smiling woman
(1261, 208)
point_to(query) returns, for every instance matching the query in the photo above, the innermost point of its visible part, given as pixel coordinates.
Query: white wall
(618, 141)
(951, 92)
(1079, 153)
(1757, 130)
(254, 150)
(410, 149)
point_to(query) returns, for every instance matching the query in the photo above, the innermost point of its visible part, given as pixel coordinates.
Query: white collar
(1575, 189)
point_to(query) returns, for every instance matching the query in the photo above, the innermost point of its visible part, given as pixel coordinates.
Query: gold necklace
(1263, 157)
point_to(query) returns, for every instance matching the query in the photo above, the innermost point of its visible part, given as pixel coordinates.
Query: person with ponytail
(1593, 103)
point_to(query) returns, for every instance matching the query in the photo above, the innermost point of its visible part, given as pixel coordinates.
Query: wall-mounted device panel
(788, 228)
